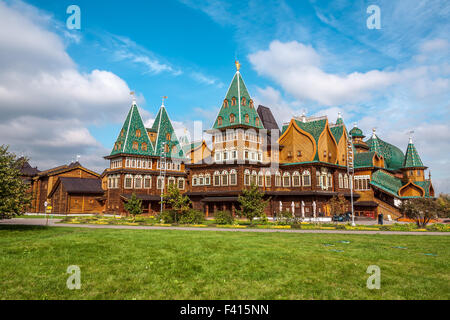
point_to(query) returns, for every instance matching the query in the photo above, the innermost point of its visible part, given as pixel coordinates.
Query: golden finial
(238, 65)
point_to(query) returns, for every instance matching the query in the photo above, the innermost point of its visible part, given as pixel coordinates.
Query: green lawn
(169, 264)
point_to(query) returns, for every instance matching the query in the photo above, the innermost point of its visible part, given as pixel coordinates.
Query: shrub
(192, 217)
(167, 216)
(224, 217)
(438, 227)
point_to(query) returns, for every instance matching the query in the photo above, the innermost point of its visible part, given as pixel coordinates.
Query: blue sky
(312, 56)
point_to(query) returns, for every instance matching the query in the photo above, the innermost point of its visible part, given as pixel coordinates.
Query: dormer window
(225, 103)
(257, 121)
(135, 145)
(219, 121)
(144, 147)
(247, 118)
(168, 137)
(243, 101)
(251, 104)
(138, 133)
(232, 118)
(121, 133)
(233, 101)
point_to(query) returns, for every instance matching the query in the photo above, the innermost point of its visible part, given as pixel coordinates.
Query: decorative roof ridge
(310, 119)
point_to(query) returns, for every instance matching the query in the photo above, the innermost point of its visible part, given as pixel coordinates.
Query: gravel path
(53, 223)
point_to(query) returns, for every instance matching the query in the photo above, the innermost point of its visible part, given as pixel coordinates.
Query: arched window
(341, 181)
(219, 121)
(261, 179)
(181, 183)
(207, 179)
(251, 104)
(330, 181)
(278, 179)
(257, 122)
(346, 182)
(135, 145)
(216, 178)
(201, 180)
(147, 182)
(225, 103)
(286, 179)
(247, 118)
(268, 179)
(232, 118)
(247, 177)
(233, 101)
(168, 137)
(166, 148)
(318, 182)
(233, 177)
(254, 178)
(243, 101)
(128, 182)
(224, 178)
(160, 183)
(121, 133)
(194, 180)
(138, 133)
(171, 181)
(296, 179)
(144, 146)
(306, 178)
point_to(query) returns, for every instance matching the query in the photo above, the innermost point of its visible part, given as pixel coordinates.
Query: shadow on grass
(22, 228)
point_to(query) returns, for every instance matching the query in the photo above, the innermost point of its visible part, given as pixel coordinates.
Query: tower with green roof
(413, 167)
(236, 129)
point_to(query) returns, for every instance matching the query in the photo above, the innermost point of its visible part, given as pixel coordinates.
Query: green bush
(438, 227)
(403, 227)
(224, 217)
(167, 216)
(285, 217)
(192, 217)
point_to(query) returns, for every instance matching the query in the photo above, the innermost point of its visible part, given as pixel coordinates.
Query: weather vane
(238, 65)
(163, 99)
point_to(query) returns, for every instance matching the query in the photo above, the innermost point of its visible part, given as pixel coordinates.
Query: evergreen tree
(252, 203)
(14, 198)
(134, 206)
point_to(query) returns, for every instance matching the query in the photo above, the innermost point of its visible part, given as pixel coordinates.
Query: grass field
(169, 264)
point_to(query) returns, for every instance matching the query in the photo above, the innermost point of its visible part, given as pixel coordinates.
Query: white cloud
(45, 102)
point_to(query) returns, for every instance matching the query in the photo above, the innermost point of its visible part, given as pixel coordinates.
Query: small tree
(179, 203)
(421, 210)
(338, 204)
(134, 206)
(14, 198)
(252, 203)
(444, 204)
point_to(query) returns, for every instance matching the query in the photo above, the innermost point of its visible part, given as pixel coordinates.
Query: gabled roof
(337, 131)
(412, 158)
(27, 170)
(386, 182)
(79, 185)
(267, 118)
(163, 127)
(133, 131)
(237, 90)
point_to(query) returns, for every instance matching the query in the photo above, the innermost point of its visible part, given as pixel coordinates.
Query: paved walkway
(53, 223)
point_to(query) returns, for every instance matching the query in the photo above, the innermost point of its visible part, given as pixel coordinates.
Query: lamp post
(162, 172)
(351, 172)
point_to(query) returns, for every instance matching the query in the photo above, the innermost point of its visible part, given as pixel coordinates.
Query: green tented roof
(163, 126)
(412, 158)
(237, 90)
(393, 156)
(128, 135)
